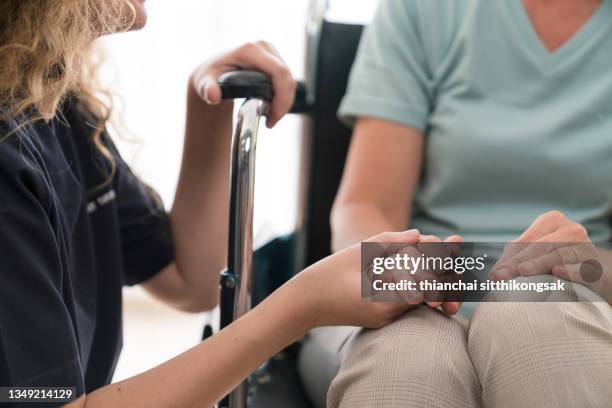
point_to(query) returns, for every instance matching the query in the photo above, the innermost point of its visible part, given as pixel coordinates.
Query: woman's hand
(259, 56)
(449, 308)
(555, 245)
(331, 289)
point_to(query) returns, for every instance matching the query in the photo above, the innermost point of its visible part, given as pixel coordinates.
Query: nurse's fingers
(258, 57)
(451, 308)
(209, 90)
(426, 274)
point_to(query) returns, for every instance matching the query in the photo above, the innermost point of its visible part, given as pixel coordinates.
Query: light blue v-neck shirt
(512, 130)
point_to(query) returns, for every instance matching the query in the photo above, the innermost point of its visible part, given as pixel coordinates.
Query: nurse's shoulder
(24, 162)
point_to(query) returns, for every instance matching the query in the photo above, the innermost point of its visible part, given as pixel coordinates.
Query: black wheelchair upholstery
(329, 138)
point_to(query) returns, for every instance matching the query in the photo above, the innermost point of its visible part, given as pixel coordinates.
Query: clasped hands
(552, 245)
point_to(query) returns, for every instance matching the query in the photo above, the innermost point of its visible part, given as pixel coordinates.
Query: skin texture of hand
(555, 245)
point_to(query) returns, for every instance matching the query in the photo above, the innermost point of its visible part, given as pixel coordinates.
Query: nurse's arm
(380, 177)
(200, 214)
(326, 294)
(203, 375)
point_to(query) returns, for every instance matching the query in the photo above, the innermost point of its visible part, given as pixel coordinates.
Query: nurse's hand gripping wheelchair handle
(235, 297)
(255, 84)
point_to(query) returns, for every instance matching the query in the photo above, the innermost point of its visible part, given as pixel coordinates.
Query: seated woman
(475, 117)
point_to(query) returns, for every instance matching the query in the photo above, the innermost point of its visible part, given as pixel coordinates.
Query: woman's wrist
(293, 308)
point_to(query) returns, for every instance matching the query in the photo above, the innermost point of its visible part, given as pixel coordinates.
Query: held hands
(422, 248)
(331, 289)
(259, 56)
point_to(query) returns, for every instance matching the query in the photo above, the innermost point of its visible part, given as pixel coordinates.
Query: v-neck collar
(600, 19)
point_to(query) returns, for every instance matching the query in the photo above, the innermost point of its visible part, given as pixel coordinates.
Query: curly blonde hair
(47, 53)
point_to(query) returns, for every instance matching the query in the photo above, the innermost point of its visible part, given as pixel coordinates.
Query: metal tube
(240, 254)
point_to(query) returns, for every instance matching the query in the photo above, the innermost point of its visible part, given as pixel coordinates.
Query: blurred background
(148, 72)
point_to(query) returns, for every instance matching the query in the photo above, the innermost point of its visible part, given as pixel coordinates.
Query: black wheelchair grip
(255, 84)
(246, 84)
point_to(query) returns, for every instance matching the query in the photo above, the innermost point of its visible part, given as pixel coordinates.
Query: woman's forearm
(382, 170)
(203, 375)
(200, 212)
(353, 223)
(327, 293)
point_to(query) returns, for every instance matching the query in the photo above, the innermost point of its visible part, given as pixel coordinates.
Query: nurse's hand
(329, 291)
(555, 245)
(449, 307)
(259, 56)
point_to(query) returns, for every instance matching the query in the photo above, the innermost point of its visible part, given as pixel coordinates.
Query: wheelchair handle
(255, 84)
(246, 84)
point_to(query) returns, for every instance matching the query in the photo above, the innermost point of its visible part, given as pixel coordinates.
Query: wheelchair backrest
(335, 52)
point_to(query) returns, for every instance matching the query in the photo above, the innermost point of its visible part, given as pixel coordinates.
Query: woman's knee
(421, 358)
(575, 313)
(522, 349)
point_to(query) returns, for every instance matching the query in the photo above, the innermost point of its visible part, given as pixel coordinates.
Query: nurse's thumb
(210, 91)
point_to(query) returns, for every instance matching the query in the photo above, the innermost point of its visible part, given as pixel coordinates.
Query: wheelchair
(252, 275)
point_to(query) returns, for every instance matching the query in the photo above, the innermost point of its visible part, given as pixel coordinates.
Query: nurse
(76, 224)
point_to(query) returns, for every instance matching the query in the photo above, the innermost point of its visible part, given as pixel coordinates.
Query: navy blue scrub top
(68, 243)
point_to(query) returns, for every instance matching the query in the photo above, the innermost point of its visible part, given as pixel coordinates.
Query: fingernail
(412, 232)
(205, 89)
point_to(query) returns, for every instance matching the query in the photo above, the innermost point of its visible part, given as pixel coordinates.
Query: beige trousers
(508, 355)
